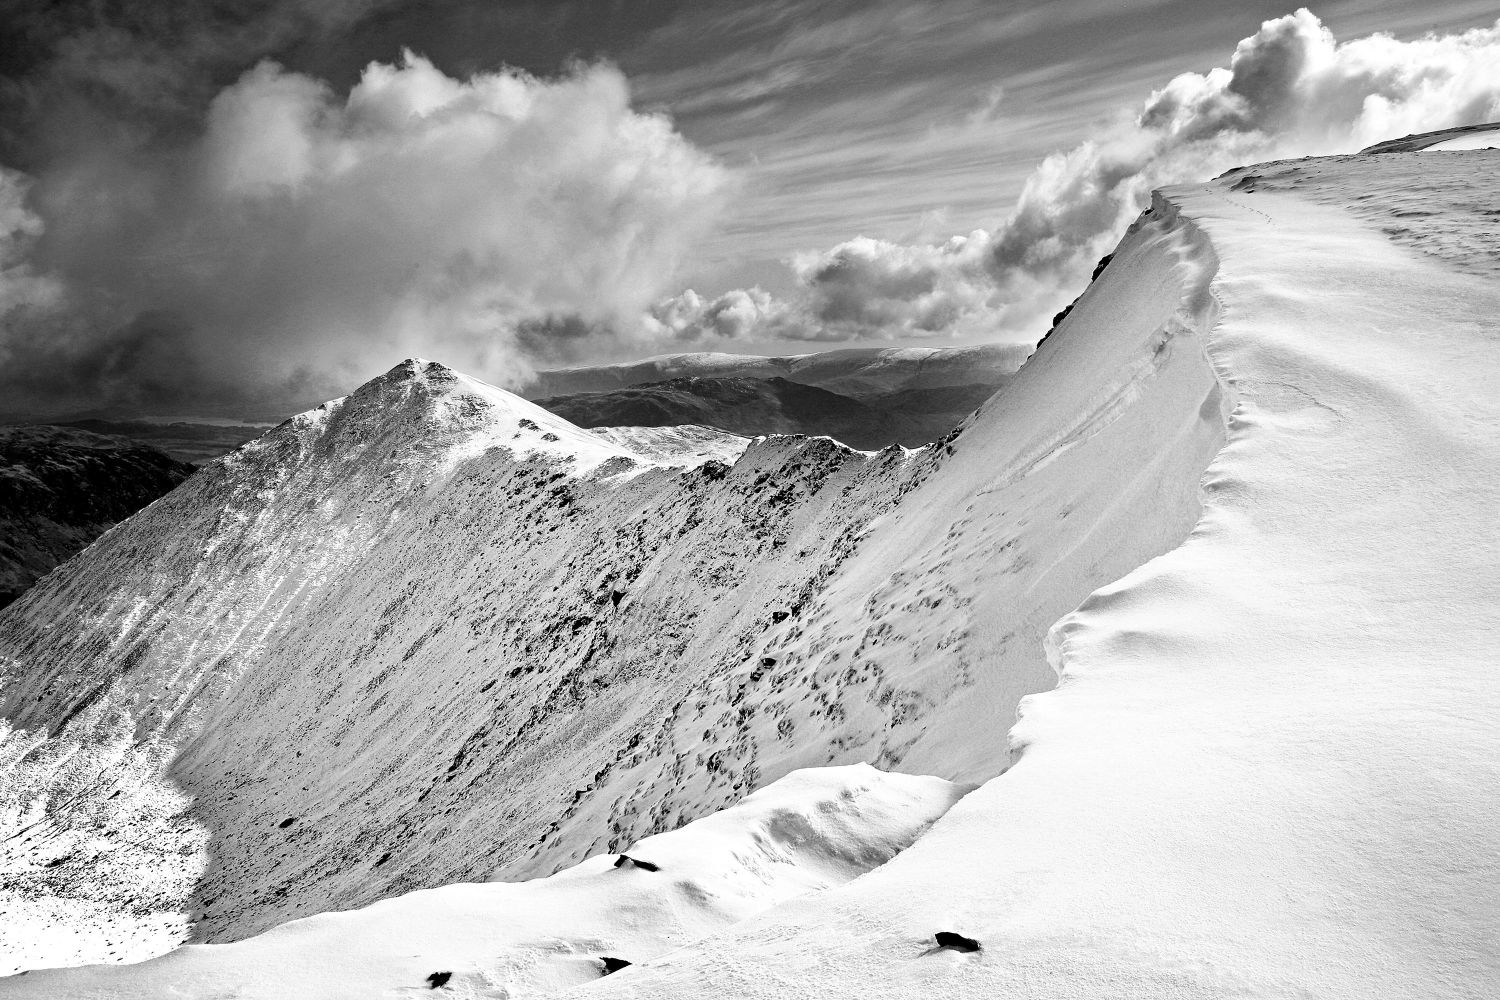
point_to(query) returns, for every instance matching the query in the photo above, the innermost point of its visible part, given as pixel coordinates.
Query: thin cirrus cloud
(302, 234)
(1290, 89)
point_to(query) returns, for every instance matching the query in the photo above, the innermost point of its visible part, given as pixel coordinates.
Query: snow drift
(808, 832)
(1241, 501)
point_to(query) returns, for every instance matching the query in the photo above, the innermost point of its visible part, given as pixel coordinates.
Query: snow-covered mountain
(1242, 502)
(432, 633)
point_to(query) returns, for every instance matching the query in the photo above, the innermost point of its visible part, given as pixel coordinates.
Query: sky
(246, 206)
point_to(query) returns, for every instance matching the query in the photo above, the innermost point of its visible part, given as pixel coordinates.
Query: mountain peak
(424, 407)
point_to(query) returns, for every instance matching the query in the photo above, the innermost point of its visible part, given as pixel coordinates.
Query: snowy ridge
(687, 444)
(1263, 441)
(1270, 767)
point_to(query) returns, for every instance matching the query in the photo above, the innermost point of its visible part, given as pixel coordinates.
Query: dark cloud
(301, 230)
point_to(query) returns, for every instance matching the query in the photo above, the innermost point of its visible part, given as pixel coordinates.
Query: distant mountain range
(864, 397)
(751, 406)
(183, 440)
(859, 372)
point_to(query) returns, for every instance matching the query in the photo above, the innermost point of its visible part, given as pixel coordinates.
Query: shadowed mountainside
(184, 441)
(61, 487)
(744, 405)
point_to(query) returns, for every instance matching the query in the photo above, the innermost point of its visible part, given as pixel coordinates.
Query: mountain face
(1202, 603)
(431, 632)
(756, 406)
(60, 488)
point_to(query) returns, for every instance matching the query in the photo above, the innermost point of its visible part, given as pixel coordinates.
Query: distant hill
(751, 406)
(62, 487)
(864, 397)
(858, 372)
(184, 441)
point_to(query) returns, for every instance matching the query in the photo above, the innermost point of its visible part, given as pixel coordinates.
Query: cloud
(1289, 90)
(736, 315)
(301, 241)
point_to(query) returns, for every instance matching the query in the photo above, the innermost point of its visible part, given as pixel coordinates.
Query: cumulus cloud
(288, 239)
(303, 240)
(1291, 89)
(737, 314)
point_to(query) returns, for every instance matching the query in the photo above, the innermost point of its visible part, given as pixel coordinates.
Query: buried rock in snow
(626, 861)
(957, 942)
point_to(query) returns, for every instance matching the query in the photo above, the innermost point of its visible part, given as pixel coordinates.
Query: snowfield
(805, 833)
(1240, 507)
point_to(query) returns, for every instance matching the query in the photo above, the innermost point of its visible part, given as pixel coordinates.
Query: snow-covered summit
(430, 408)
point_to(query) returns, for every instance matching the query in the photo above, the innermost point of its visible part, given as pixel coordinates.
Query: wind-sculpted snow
(430, 633)
(808, 832)
(1437, 202)
(1270, 767)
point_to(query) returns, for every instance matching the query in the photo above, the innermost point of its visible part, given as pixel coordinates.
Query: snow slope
(807, 832)
(1268, 768)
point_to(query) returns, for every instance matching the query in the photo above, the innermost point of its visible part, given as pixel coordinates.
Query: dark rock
(957, 942)
(626, 861)
(612, 965)
(436, 979)
(287, 822)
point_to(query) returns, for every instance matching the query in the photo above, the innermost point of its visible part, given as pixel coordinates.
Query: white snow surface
(1242, 503)
(681, 444)
(807, 832)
